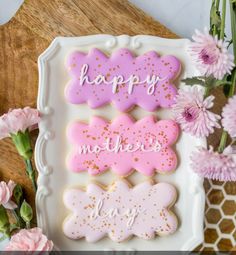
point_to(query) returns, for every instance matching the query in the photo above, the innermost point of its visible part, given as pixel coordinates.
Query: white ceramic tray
(52, 147)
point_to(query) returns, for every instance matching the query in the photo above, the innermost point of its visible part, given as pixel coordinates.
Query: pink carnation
(191, 112)
(29, 240)
(211, 55)
(18, 120)
(212, 165)
(6, 194)
(229, 117)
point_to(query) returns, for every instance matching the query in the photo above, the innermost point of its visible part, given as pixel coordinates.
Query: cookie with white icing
(123, 145)
(120, 212)
(122, 79)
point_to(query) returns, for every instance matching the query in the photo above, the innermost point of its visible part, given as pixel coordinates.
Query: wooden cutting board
(30, 32)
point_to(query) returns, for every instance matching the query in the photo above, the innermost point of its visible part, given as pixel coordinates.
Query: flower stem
(215, 4)
(18, 219)
(233, 26)
(207, 91)
(232, 87)
(28, 225)
(31, 173)
(15, 215)
(222, 25)
(223, 141)
(224, 135)
(233, 31)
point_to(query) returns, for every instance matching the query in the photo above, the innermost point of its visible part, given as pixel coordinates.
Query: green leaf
(18, 194)
(215, 19)
(4, 222)
(22, 143)
(228, 83)
(194, 81)
(210, 81)
(220, 83)
(26, 212)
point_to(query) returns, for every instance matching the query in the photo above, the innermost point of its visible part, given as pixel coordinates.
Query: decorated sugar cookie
(123, 145)
(123, 79)
(120, 212)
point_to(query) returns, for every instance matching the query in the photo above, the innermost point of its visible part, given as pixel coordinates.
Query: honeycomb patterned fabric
(220, 217)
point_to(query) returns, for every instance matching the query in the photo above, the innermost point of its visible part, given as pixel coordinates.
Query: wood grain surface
(30, 32)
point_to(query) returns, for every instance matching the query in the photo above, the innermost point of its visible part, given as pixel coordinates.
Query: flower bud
(22, 143)
(26, 212)
(17, 194)
(4, 222)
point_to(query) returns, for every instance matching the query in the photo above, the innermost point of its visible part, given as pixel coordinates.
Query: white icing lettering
(84, 149)
(130, 213)
(96, 212)
(150, 80)
(99, 79)
(117, 80)
(83, 77)
(132, 81)
(118, 146)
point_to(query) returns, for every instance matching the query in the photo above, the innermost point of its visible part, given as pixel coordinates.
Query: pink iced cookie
(122, 79)
(123, 145)
(120, 212)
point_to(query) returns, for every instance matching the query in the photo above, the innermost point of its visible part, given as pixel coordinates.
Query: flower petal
(212, 165)
(4, 130)
(18, 120)
(229, 117)
(192, 112)
(210, 55)
(29, 240)
(10, 205)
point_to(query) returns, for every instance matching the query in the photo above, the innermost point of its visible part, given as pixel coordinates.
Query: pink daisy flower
(191, 112)
(229, 117)
(210, 55)
(215, 166)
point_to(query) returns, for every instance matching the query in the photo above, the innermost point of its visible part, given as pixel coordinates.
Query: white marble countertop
(180, 16)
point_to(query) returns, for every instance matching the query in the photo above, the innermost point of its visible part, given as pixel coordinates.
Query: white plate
(52, 147)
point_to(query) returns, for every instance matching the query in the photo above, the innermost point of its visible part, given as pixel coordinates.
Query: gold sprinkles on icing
(120, 212)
